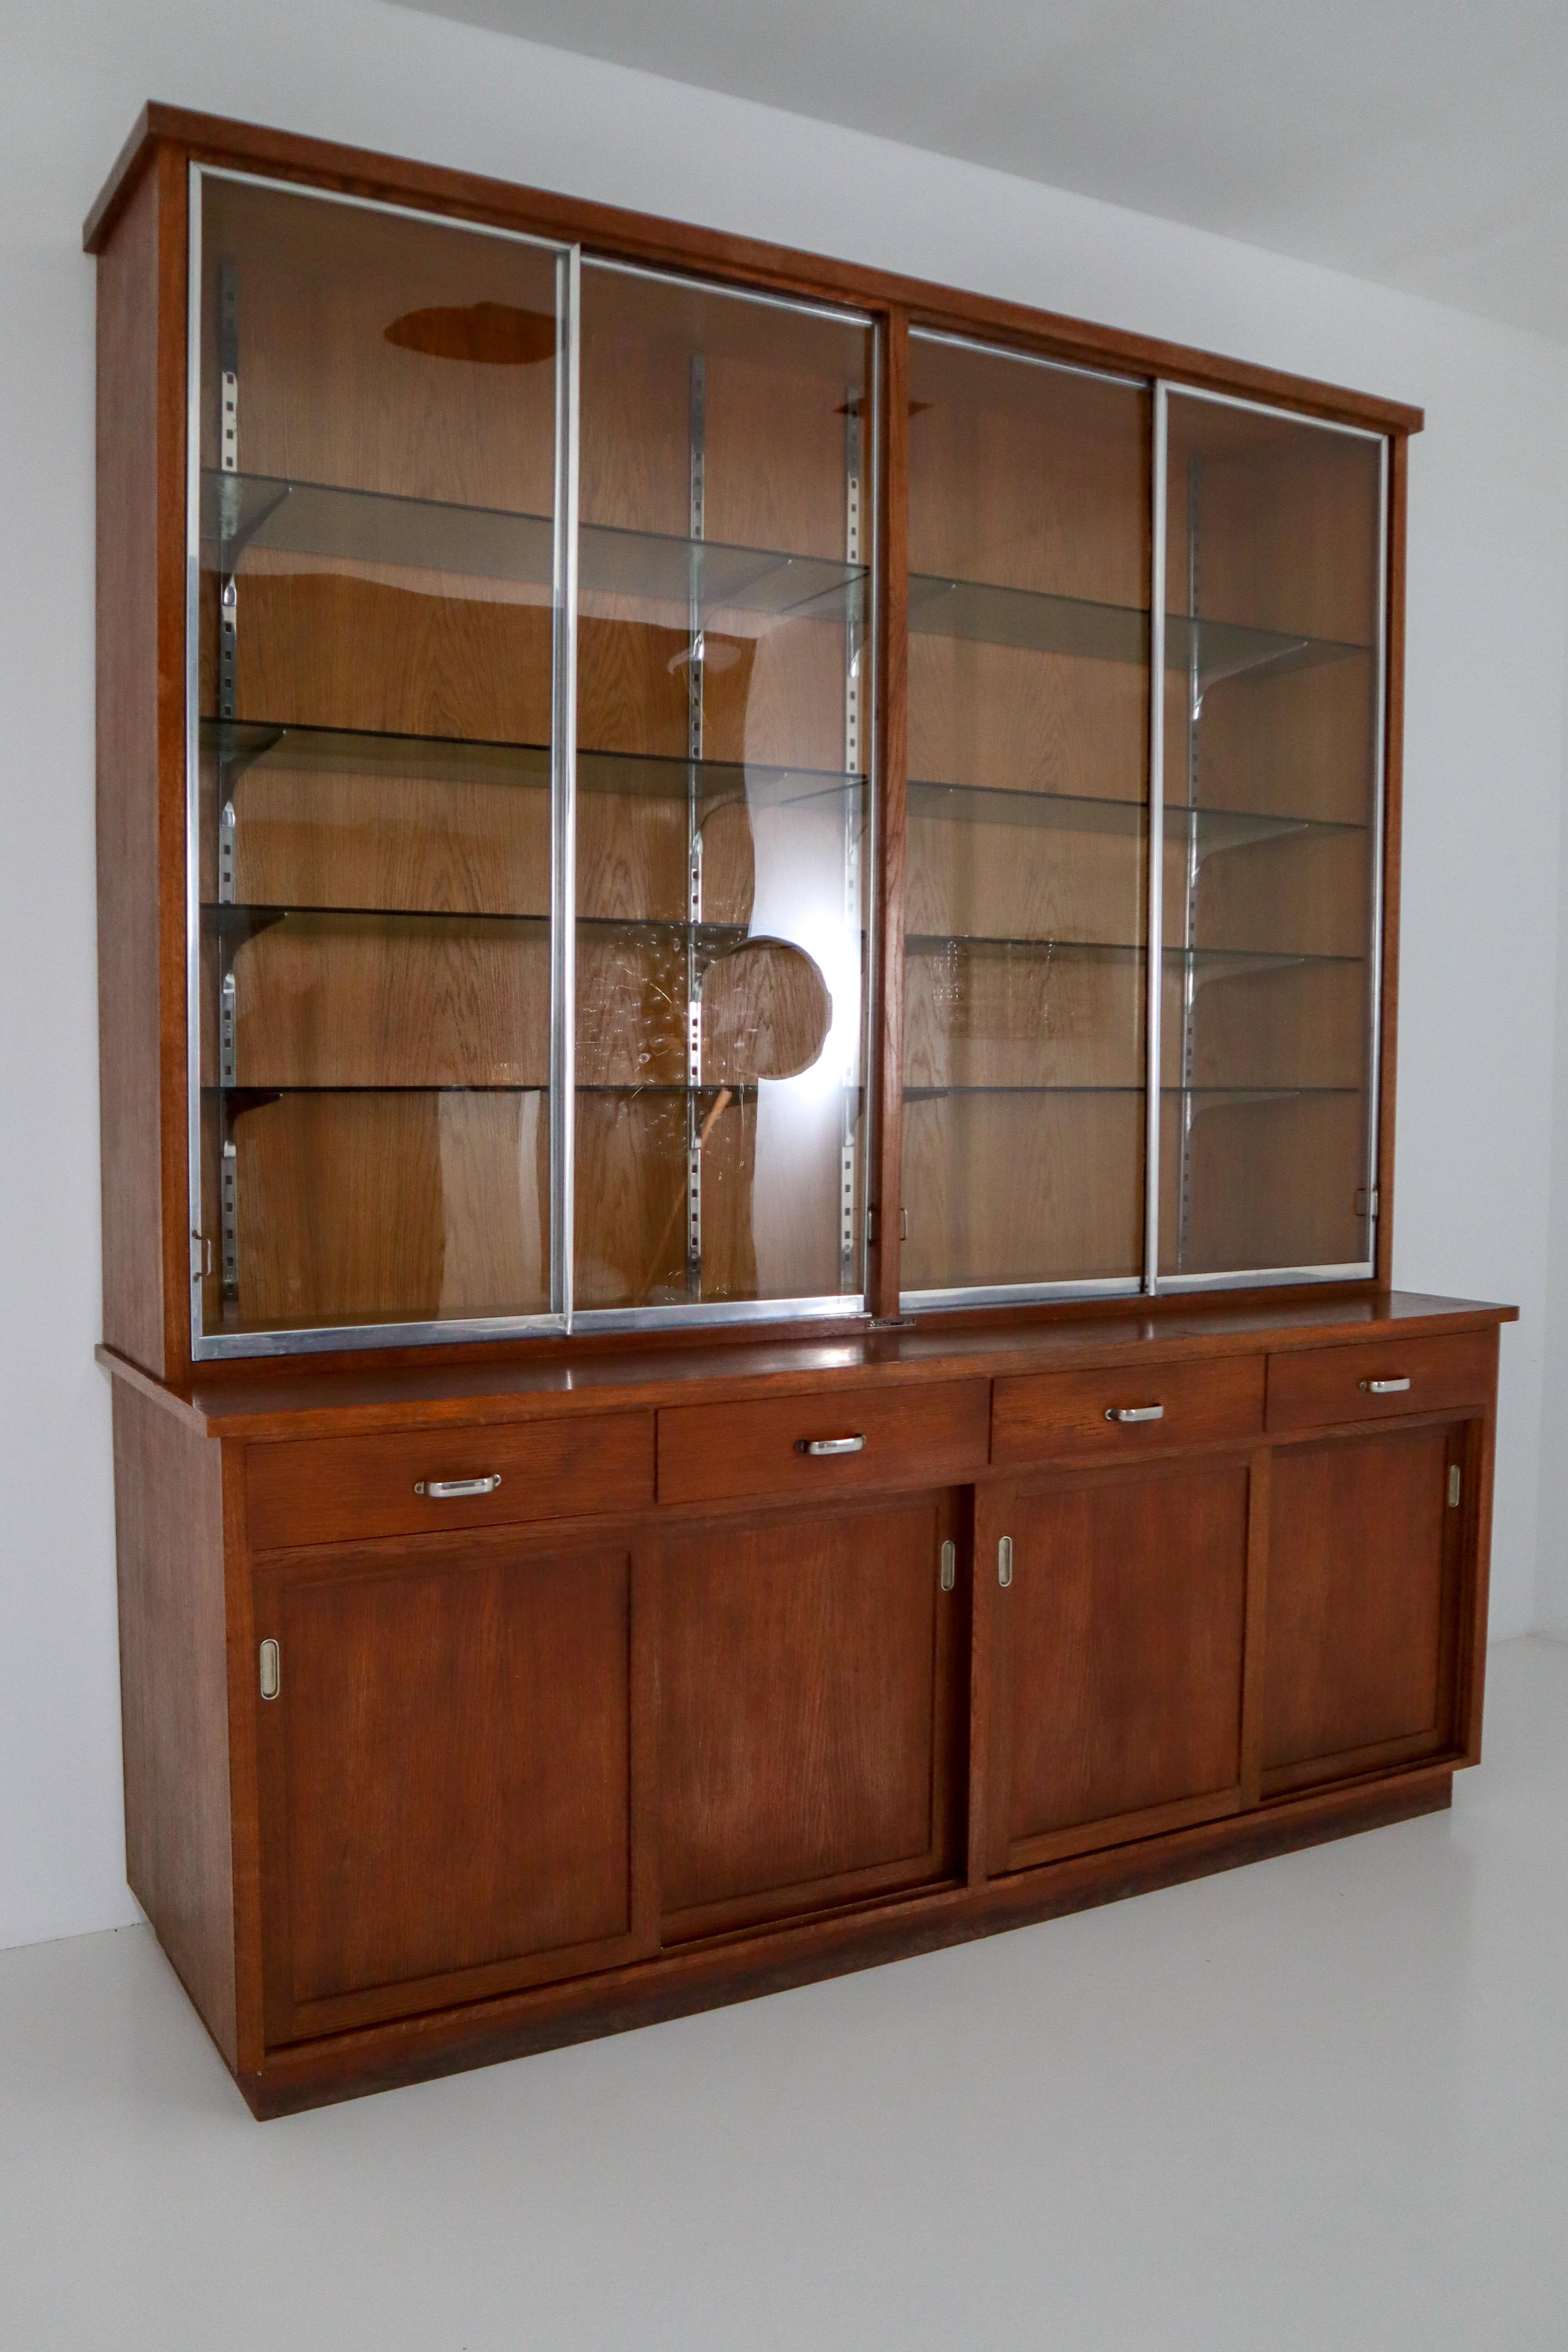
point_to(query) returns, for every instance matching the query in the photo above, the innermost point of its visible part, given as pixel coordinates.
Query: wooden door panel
(1362, 1582)
(805, 1711)
(1119, 1657)
(447, 1777)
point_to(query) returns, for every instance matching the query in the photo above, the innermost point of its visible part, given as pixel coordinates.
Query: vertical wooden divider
(1251, 1770)
(1393, 780)
(891, 831)
(647, 1900)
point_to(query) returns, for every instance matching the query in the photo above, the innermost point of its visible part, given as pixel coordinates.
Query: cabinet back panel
(1022, 1188)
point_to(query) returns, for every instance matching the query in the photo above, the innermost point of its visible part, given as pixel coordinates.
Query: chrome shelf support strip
(564, 787)
(695, 661)
(853, 648)
(1156, 918)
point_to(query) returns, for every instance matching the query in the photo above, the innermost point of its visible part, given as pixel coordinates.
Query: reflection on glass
(374, 697)
(1271, 716)
(722, 718)
(1026, 892)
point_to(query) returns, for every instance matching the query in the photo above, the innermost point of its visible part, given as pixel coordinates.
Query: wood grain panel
(360, 1207)
(1022, 1188)
(979, 1014)
(1308, 894)
(174, 1697)
(804, 1712)
(1362, 1559)
(1305, 1024)
(970, 873)
(1293, 743)
(328, 397)
(1122, 1641)
(447, 1777)
(1012, 720)
(1321, 1386)
(1275, 1181)
(1041, 1416)
(318, 1490)
(1027, 478)
(713, 1453)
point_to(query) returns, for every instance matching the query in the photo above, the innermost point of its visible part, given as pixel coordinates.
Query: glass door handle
(1385, 1388)
(453, 1490)
(820, 1445)
(1135, 1412)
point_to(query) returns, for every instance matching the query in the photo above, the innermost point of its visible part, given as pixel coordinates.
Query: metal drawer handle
(453, 1490)
(820, 1445)
(1135, 1412)
(1385, 1388)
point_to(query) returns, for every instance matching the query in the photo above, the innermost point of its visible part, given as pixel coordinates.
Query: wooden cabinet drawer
(1042, 1416)
(336, 1489)
(1318, 1387)
(908, 1437)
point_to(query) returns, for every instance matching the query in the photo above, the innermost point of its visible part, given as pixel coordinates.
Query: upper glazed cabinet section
(529, 795)
(1143, 905)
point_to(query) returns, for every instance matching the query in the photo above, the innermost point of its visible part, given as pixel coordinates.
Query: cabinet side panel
(168, 1511)
(128, 1008)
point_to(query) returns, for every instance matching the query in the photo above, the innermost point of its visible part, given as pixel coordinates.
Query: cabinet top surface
(214, 139)
(290, 1400)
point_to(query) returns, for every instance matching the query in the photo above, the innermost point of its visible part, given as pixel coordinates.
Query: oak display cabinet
(730, 888)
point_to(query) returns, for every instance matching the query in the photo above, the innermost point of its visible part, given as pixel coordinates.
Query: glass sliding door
(374, 466)
(1026, 946)
(1273, 718)
(722, 801)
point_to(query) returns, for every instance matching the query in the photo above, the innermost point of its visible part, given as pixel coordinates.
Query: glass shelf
(228, 917)
(1221, 963)
(238, 744)
(232, 1090)
(1218, 829)
(1035, 622)
(241, 512)
(1239, 1095)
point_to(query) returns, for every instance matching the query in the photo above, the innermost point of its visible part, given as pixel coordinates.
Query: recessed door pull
(820, 1445)
(454, 1490)
(948, 1565)
(1135, 1412)
(1005, 1561)
(271, 1679)
(1385, 1388)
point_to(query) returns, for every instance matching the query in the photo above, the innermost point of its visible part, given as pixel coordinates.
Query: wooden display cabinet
(729, 886)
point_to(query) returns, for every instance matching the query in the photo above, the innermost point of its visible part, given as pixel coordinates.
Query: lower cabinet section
(1119, 1638)
(1364, 1559)
(806, 1711)
(447, 1776)
(404, 1800)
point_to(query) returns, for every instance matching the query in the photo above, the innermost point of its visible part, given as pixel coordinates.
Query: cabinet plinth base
(681, 1983)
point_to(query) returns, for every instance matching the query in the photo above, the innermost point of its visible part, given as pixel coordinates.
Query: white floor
(1322, 2103)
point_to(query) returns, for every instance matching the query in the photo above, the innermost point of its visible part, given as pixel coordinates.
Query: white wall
(1486, 685)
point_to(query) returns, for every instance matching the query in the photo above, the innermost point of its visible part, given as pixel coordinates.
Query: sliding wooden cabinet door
(1119, 1633)
(1365, 1557)
(446, 1773)
(806, 1710)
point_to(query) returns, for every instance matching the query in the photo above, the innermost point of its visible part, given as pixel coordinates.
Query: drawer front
(335, 1489)
(1044, 1416)
(1318, 1387)
(911, 1437)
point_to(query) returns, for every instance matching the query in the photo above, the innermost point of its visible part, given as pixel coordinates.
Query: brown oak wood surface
(1051, 1414)
(1320, 1390)
(715, 1453)
(327, 1490)
(173, 1696)
(1119, 1643)
(806, 1717)
(1363, 1569)
(447, 1777)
